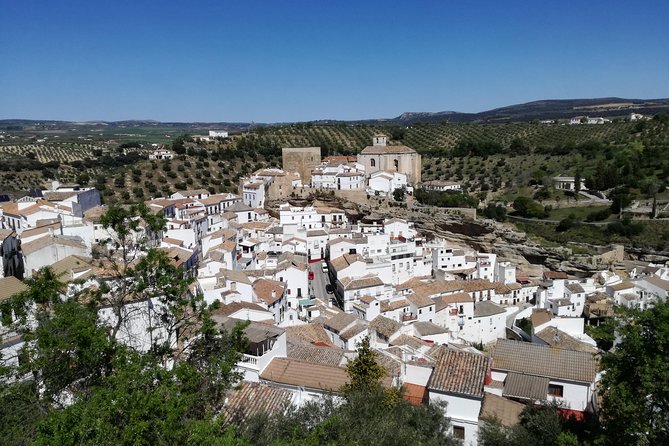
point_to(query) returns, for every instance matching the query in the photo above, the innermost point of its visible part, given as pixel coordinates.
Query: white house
(385, 183)
(535, 373)
(458, 379)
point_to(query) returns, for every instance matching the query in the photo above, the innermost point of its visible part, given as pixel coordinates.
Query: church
(382, 157)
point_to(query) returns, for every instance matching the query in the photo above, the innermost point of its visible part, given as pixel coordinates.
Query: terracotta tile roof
(460, 372)
(173, 241)
(625, 285)
(660, 283)
(424, 328)
(549, 362)
(344, 261)
(410, 341)
(420, 301)
(558, 338)
(540, 317)
(43, 242)
(384, 326)
(308, 332)
(234, 307)
(192, 192)
(381, 150)
(393, 305)
(555, 275)
(367, 299)
(529, 387)
(484, 309)
(438, 287)
(178, 255)
(450, 299)
(74, 264)
(306, 352)
(10, 286)
(269, 291)
(575, 287)
(354, 283)
(303, 374)
(354, 330)
(339, 322)
(506, 411)
(250, 398)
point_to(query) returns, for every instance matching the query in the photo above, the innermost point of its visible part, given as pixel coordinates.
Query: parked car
(311, 275)
(329, 288)
(324, 266)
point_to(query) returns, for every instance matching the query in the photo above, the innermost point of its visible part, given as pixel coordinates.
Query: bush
(598, 215)
(626, 228)
(566, 224)
(495, 211)
(528, 208)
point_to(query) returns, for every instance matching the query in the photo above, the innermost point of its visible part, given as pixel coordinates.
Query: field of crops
(439, 137)
(61, 152)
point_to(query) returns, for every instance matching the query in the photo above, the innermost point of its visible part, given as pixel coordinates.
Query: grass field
(578, 212)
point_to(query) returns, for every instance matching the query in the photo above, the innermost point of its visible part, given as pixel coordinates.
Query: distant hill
(530, 111)
(544, 109)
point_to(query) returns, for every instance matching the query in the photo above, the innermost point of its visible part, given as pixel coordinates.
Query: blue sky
(274, 61)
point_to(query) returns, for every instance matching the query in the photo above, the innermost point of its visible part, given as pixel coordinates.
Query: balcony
(407, 317)
(249, 360)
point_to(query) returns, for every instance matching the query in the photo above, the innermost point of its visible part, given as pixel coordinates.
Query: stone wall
(302, 160)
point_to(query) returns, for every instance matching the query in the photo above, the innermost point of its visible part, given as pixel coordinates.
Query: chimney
(273, 294)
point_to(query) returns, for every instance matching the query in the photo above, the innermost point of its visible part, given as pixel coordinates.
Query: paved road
(317, 286)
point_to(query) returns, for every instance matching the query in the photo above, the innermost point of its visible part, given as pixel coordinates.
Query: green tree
(364, 371)
(398, 193)
(635, 385)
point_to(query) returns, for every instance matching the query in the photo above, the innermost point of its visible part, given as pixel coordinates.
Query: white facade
(385, 183)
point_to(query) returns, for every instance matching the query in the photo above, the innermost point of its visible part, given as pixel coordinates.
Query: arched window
(372, 162)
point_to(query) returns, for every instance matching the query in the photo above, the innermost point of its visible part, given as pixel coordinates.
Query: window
(459, 432)
(397, 164)
(555, 390)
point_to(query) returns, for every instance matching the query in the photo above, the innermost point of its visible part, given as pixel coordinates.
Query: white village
(312, 280)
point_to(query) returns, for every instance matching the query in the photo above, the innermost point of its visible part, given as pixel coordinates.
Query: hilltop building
(382, 157)
(301, 160)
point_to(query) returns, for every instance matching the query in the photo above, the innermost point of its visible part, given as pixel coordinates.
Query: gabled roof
(530, 387)
(382, 150)
(43, 242)
(450, 299)
(250, 398)
(424, 328)
(340, 321)
(385, 326)
(308, 333)
(9, 286)
(420, 301)
(269, 291)
(344, 261)
(459, 372)
(660, 283)
(549, 362)
(354, 283)
(75, 264)
(506, 411)
(393, 305)
(575, 288)
(303, 374)
(485, 309)
(558, 338)
(313, 354)
(354, 330)
(624, 285)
